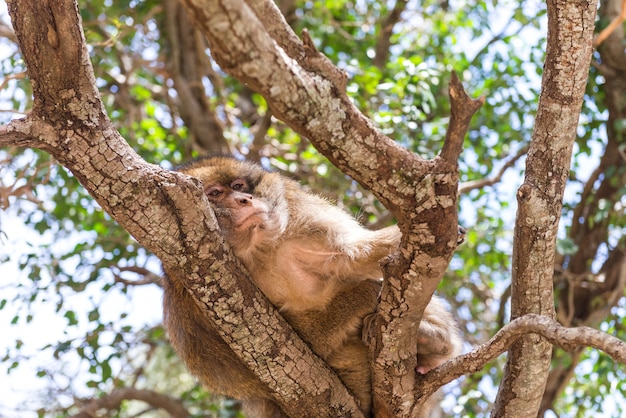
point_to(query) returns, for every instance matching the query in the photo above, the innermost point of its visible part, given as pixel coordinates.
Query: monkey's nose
(245, 200)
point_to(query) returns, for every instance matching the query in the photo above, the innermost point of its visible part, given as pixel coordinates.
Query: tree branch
(468, 186)
(68, 120)
(113, 400)
(306, 91)
(567, 338)
(277, 27)
(462, 109)
(303, 89)
(145, 276)
(386, 30)
(568, 55)
(615, 23)
(17, 134)
(6, 31)
(185, 61)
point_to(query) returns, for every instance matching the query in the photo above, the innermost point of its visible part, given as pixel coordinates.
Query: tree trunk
(570, 33)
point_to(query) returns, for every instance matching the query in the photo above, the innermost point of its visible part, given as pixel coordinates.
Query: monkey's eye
(239, 185)
(214, 191)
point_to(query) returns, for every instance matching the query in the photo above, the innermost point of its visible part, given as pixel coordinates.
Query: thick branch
(570, 32)
(277, 27)
(69, 121)
(305, 93)
(411, 279)
(16, 135)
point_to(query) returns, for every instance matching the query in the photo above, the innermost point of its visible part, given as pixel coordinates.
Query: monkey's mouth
(253, 219)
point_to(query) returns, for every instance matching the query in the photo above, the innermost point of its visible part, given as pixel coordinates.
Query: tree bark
(168, 213)
(585, 296)
(173, 406)
(570, 33)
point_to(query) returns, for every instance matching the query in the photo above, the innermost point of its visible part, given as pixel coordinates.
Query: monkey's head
(249, 201)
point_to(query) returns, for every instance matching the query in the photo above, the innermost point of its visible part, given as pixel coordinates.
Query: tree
(252, 42)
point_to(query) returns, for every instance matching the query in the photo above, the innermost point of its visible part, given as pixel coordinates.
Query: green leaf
(71, 318)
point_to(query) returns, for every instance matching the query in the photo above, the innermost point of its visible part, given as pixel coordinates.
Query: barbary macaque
(314, 262)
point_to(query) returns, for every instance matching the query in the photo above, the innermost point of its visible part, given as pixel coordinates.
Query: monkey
(314, 262)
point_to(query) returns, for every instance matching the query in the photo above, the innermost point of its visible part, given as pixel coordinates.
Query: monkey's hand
(363, 251)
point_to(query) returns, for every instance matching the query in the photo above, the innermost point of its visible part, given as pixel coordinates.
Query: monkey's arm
(364, 250)
(347, 250)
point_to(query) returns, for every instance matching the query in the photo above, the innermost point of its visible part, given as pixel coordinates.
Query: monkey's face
(249, 202)
(237, 210)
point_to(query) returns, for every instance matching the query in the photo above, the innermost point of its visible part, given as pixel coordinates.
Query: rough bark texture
(570, 32)
(168, 214)
(395, 381)
(570, 339)
(586, 297)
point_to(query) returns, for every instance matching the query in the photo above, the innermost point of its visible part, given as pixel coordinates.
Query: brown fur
(314, 262)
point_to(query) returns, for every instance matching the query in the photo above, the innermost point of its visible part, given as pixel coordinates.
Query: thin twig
(478, 184)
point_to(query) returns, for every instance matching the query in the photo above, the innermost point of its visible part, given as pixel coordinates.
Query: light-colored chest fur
(300, 277)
